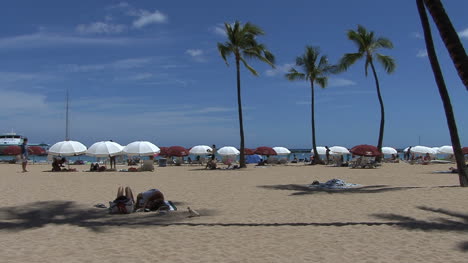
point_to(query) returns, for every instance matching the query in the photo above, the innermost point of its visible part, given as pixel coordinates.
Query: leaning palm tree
(315, 70)
(242, 44)
(450, 38)
(368, 44)
(452, 125)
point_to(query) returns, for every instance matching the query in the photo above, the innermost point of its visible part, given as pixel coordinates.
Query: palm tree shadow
(448, 221)
(41, 214)
(306, 189)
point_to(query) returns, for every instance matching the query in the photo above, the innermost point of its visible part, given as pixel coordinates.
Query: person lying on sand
(124, 203)
(151, 200)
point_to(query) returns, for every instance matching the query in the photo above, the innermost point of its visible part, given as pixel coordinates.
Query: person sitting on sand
(211, 165)
(94, 167)
(124, 203)
(152, 199)
(261, 163)
(57, 164)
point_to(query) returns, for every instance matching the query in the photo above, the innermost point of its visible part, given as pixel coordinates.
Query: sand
(402, 213)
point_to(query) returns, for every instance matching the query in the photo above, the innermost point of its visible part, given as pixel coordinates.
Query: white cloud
(116, 65)
(11, 77)
(463, 33)
(100, 28)
(219, 30)
(42, 39)
(422, 53)
(194, 52)
(146, 18)
(417, 35)
(339, 82)
(142, 76)
(279, 70)
(14, 102)
(119, 5)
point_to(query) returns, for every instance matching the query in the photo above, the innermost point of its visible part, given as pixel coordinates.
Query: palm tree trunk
(439, 78)
(312, 111)
(382, 112)
(241, 123)
(450, 38)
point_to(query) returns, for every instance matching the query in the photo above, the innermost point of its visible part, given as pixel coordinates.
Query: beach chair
(148, 165)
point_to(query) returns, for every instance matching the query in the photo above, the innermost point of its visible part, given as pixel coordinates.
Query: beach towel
(121, 205)
(334, 184)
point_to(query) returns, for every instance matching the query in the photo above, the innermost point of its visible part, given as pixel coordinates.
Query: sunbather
(124, 203)
(152, 199)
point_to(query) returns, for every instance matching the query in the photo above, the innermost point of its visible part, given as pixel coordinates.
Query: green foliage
(367, 45)
(242, 43)
(314, 67)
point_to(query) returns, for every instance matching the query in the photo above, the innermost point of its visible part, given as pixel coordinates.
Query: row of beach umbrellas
(145, 148)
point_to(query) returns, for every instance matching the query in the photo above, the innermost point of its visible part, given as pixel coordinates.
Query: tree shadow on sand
(448, 221)
(302, 189)
(41, 214)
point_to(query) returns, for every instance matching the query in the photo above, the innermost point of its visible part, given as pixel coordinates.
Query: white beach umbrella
(141, 148)
(67, 148)
(228, 150)
(389, 150)
(339, 150)
(447, 149)
(281, 150)
(436, 149)
(422, 150)
(201, 150)
(320, 149)
(105, 149)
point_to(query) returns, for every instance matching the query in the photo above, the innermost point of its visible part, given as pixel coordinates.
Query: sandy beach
(402, 213)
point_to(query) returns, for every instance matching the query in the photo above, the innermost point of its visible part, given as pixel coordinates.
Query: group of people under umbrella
(110, 149)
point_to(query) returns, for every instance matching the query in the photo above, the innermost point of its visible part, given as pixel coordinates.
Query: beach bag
(121, 205)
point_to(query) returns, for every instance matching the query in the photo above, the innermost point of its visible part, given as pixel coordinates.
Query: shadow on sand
(302, 189)
(447, 221)
(40, 214)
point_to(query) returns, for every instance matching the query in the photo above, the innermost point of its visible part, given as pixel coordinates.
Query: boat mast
(67, 137)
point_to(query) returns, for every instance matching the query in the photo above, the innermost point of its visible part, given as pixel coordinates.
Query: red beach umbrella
(365, 150)
(465, 150)
(177, 151)
(248, 151)
(264, 150)
(37, 150)
(163, 151)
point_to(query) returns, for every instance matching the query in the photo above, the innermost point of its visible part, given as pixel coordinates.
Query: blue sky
(150, 70)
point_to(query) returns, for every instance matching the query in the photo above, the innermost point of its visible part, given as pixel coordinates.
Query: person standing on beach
(327, 154)
(24, 154)
(213, 152)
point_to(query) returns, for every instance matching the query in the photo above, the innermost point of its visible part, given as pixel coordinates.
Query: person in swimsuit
(152, 199)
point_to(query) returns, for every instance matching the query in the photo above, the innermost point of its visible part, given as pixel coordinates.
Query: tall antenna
(67, 136)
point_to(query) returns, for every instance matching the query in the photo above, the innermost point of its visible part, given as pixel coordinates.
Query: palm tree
(315, 69)
(462, 173)
(242, 43)
(368, 45)
(450, 38)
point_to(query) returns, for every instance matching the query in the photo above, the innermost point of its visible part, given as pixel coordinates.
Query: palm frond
(253, 29)
(348, 59)
(322, 81)
(252, 70)
(224, 51)
(387, 62)
(383, 43)
(295, 75)
(323, 62)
